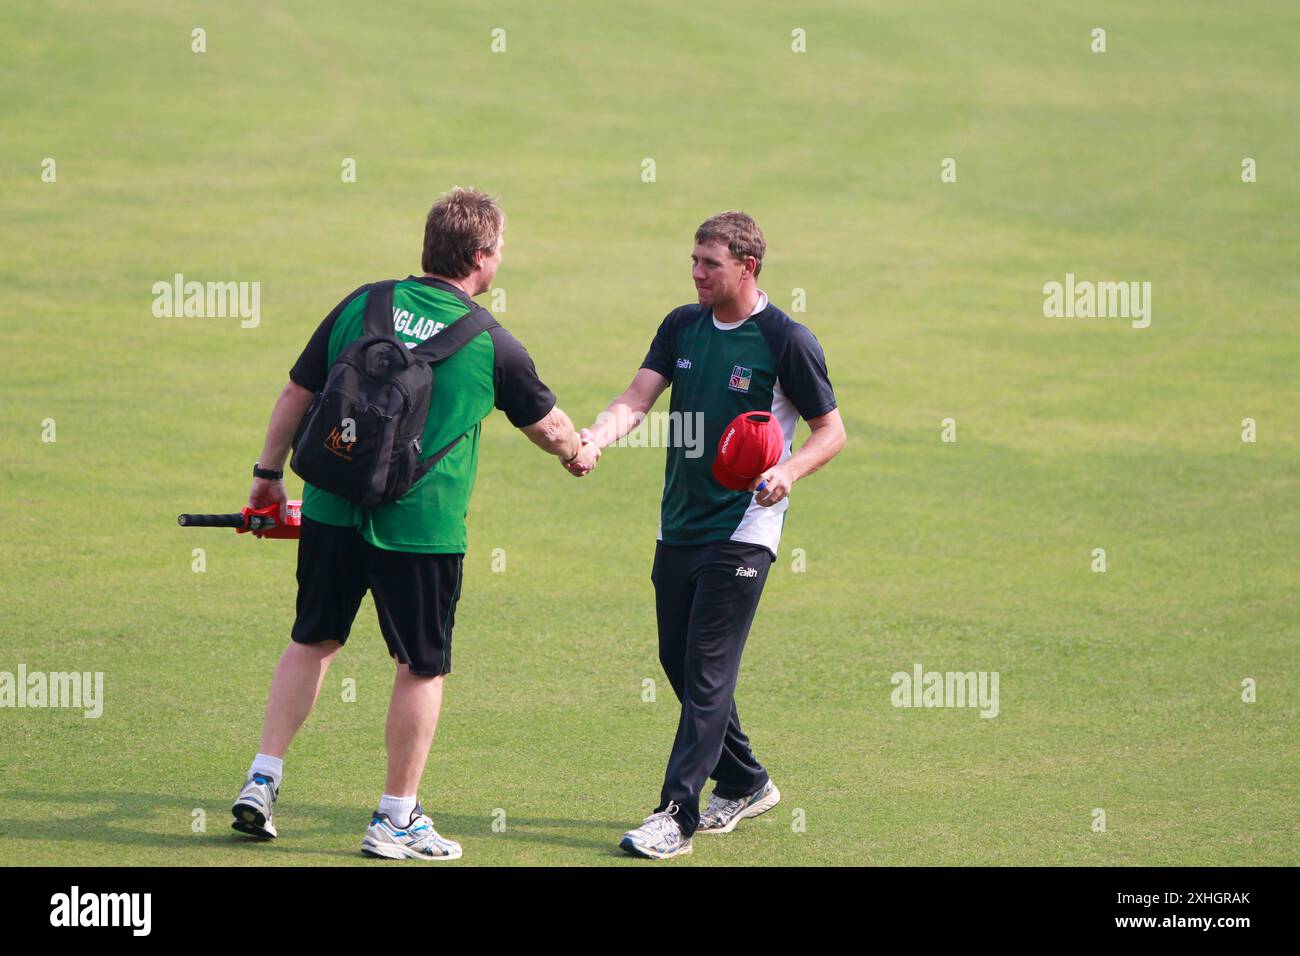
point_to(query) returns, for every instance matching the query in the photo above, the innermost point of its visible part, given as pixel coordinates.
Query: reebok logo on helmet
(749, 446)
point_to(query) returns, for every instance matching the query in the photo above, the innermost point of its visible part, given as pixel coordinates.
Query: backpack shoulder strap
(444, 345)
(379, 308)
(456, 336)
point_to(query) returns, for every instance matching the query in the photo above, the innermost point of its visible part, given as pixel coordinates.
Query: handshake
(585, 460)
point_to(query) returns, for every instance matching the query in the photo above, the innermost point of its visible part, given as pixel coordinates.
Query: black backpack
(360, 439)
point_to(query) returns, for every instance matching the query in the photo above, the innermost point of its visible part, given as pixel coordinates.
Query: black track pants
(705, 599)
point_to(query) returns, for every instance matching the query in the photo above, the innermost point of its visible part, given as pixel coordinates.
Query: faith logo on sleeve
(740, 379)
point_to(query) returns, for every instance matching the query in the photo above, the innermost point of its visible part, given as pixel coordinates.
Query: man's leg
(331, 584)
(674, 582)
(294, 688)
(738, 773)
(726, 600)
(412, 722)
(415, 598)
(674, 594)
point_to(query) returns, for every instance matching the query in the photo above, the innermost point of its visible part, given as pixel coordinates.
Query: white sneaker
(252, 808)
(722, 815)
(659, 838)
(418, 840)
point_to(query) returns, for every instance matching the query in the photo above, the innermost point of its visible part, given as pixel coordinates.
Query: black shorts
(415, 594)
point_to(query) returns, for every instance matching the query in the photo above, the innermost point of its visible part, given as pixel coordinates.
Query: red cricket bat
(263, 522)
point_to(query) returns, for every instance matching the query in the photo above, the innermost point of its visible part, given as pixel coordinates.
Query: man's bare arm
(627, 411)
(285, 416)
(289, 409)
(823, 444)
(554, 434)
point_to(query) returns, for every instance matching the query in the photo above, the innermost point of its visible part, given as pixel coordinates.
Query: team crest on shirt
(740, 379)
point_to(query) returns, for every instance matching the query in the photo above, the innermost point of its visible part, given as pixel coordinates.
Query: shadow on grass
(156, 821)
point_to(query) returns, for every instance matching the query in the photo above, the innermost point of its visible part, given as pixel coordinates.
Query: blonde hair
(738, 231)
(460, 223)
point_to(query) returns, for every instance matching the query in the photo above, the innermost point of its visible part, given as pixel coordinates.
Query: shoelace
(725, 809)
(662, 824)
(425, 835)
(266, 783)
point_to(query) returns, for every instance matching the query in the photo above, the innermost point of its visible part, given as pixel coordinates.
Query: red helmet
(749, 446)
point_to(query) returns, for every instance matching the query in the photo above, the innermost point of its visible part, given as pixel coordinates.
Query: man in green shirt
(408, 553)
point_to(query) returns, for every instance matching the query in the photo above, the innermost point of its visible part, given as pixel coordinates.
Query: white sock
(268, 766)
(397, 809)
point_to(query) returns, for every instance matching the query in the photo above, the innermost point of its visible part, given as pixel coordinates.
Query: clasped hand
(588, 455)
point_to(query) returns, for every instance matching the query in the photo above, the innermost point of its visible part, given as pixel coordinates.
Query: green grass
(1119, 691)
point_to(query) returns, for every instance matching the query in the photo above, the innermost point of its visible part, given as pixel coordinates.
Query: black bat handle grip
(210, 521)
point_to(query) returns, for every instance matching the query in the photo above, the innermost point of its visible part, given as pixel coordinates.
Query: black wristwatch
(267, 473)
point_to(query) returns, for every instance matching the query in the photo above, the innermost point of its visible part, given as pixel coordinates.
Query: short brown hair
(740, 233)
(460, 223)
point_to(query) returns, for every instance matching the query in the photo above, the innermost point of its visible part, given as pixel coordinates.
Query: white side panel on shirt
(761, 525)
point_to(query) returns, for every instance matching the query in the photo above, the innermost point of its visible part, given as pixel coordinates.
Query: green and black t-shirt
(492, 370)
(766, 362)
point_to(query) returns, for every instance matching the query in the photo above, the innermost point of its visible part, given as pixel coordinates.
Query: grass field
(1120, 691)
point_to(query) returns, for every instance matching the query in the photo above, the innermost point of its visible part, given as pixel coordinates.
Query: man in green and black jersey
(408, 553)
(730, 353)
